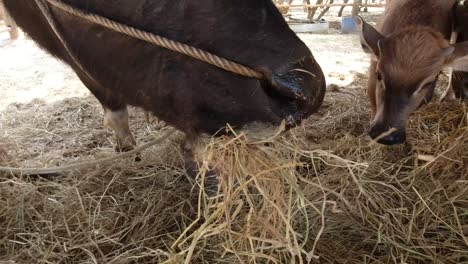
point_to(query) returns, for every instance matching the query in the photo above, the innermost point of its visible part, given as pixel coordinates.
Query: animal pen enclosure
(324, 6)
(321, 193)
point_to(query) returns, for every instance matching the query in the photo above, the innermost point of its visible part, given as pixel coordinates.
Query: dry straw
(318, 194)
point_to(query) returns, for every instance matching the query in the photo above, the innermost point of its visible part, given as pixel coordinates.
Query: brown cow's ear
(457, 56)
(370, 37)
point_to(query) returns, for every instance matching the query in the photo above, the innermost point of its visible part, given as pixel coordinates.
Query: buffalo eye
(378, 76)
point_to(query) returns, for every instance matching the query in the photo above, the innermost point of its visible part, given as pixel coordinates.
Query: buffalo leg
(191, 166)
(192, 169)
(115, 113)
(117, 120)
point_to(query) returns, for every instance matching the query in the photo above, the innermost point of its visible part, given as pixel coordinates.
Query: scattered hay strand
(317, 194)
(283, 200)
(87, 164)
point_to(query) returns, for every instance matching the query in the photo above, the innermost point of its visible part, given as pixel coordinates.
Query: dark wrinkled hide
(191, 95)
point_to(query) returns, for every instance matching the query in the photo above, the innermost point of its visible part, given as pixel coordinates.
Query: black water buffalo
(188, 94)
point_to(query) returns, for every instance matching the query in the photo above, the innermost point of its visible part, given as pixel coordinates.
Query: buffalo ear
(370, 37)
(457, 56)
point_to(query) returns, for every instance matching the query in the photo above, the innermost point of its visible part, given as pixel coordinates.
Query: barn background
(321, 193)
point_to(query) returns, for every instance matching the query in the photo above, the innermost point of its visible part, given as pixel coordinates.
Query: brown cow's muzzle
(300, 87)
(386, 136)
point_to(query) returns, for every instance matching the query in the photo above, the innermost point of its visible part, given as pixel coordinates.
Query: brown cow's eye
(378, 76)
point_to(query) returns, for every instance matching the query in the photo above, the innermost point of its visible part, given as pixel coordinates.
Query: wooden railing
(333, 5)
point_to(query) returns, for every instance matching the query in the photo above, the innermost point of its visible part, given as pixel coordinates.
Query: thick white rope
(160, 41)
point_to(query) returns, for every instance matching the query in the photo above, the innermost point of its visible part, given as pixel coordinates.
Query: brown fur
(409, 50)
(403, 63)
(435, 14)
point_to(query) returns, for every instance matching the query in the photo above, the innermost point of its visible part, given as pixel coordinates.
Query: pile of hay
(321, 193)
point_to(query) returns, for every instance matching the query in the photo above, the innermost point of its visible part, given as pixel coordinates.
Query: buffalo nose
(302, 82)
(395, 138)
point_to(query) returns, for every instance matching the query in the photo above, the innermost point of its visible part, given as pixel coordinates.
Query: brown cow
(409, 50)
